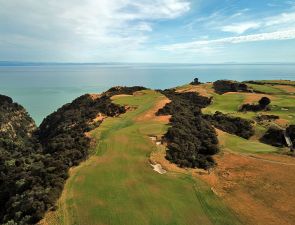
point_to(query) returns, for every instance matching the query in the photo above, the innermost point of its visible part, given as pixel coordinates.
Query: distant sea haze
(42, 88)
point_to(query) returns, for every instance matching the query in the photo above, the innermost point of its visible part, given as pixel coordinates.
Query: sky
(155, 31)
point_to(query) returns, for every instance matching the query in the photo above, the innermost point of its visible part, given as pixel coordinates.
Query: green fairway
(117, 185)
(238, 144)
(266, 88)
(227, 103)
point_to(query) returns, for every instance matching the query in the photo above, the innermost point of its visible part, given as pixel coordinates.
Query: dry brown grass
(282, 122)
(259, 188)
(290, 89)
(203, 89)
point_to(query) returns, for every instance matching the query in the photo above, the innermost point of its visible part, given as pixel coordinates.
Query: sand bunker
(158, 168)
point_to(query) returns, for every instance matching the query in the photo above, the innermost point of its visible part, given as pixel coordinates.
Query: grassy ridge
(118, 186)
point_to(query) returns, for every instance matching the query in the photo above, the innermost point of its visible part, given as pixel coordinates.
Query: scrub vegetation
(35, 162)
(191, 140)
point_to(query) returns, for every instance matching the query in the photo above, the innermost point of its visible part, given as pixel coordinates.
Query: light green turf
(266, 88)
(282, 105)
(227, 103)
(283, 82)
(117, 186)
(241, 145)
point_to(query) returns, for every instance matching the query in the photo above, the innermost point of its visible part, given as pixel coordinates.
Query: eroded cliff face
(15, 123)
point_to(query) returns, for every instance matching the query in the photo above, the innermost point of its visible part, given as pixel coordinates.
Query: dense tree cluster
(274, 136)
(20, 159)
(195, 82)
(34, 163)
(291, 132)
(123, 90)
(263, 105)
(233, 125)
(223, 86)
(191, 139)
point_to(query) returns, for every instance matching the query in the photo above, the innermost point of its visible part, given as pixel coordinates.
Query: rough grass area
(117, 185)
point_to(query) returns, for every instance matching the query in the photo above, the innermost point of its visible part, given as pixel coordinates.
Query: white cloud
(79, 28)
(277, 22)
(240, 28)
(284, 18)
(195, 45)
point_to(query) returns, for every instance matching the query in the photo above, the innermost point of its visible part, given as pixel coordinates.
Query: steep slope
(34, 162)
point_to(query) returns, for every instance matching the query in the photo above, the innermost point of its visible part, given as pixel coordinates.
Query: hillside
(35, 162)
(255, 179)
(188, 155)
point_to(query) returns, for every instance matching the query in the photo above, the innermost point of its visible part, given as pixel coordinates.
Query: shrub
(274, 136)
(191, 139)
(233, 125)
(223, 86)
(34, 164)
(261, 106)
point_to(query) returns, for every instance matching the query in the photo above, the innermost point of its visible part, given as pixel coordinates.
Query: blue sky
(164, 31)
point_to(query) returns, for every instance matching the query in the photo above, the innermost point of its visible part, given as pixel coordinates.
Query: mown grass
(118, 186)
(266, 88)
(241, 145)
(282, 105)
(283, 82)
(227, 103)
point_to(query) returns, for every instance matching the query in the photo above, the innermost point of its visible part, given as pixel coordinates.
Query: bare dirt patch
(250, 98)
(94, 96)
(282, 122)
(151, 114)
(158, 168)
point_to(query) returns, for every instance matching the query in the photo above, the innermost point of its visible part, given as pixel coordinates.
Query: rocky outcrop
(15, 123)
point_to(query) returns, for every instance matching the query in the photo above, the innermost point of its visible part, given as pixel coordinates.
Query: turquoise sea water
(44, 88)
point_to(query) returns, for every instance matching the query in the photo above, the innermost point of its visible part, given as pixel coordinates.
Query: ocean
(43, 88)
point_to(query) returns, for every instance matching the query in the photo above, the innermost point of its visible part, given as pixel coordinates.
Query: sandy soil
(158, 168)
(252, 97)
(151, 114)
(203, 89)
